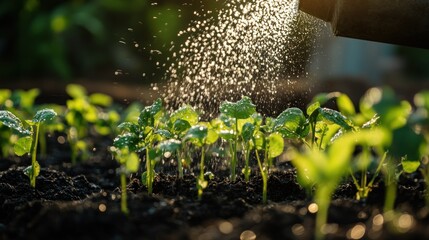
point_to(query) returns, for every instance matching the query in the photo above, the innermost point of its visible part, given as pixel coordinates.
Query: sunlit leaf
(10, 120)
(239, 110)
(76, 91)
(170, 145)
(22, 146)
(332, 116)
(410, 166)
(247, 131)
(345, 105)
(147, 116)
(186, 113)
(44, 115)
(132, 162)
(276, 145)
(292, 123)
(100, 99)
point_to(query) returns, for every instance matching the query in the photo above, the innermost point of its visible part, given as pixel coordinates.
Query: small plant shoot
(28, 140)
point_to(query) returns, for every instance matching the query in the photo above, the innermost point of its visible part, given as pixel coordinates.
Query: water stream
(247, 47)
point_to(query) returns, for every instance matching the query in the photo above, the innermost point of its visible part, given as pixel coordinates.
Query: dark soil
(83, 202)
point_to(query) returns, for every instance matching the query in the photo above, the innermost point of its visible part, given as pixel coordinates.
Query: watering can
(402, 22)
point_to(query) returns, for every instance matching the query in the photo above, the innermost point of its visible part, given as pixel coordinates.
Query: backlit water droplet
(242, 48)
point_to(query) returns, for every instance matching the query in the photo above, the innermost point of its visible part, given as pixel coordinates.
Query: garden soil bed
(83, 202)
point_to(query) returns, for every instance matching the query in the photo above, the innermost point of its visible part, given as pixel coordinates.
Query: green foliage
(27, 143)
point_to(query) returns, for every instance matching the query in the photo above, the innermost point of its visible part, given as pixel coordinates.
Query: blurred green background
(92, 39)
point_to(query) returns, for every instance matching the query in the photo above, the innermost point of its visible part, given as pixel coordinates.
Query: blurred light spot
(298, 229)
(313, 208)
(102, 207)
(61, 139)
(167, 154)
(329, 228)
(357, 232)
(226, 227)
(247, 235)
(405, 222)
(378, 221)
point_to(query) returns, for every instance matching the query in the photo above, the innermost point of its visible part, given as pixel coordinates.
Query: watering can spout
(390, 21)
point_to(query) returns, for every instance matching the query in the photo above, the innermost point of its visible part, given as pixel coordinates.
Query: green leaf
(407, 143)
(126, 140)
(197, 135)
(247, 131)
(129, 126)
(147, 116)
(292, 123)
(410, 166)
(312, 108)
(180, 126)
(22, 146)
(345, 105)
(170, 145)
(10, 120)
(76, 91)
(227, 134)
(275, 145)
(44, 115)
(100, 99)
(212, 136)
(132, 162)
(332, 116)
(186, 113)
(323, 98)
(32, 172)
(240, 110)
(164, 133)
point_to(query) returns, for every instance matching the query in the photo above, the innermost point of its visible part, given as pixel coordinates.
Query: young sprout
(324, 169)
(28, 141)
(232, 113)
(129, 163)
(142, 136)
(201, 135)
(180, 122)
(271, 145)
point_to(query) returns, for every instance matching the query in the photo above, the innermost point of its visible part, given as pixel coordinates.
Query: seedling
(201, 136)
(233, 112)
(324, 169)
(83, 112)
(180, 122)
(129, 162)
(29, 140)
(271, 145)
(141, 137)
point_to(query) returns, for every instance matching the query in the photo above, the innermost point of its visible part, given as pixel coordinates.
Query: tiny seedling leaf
(186, 113)
(247, 131)
(147, 116)
(32, 172)
(126, 140)
(239, 110)
(197, 134)
(291, 123)
(100, 99)
(332, 116)
(10, 120)
(345, 105)
(170, 145)
(181, 125)
(410, 166)
(276, 145)
(164, 133)
(44, 115)
(132, 162)
(22, 146)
